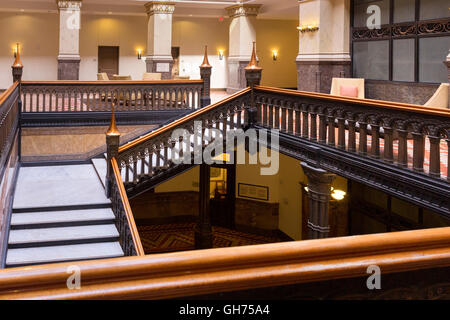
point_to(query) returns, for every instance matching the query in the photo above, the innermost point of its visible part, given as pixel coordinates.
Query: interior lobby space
(223, 149)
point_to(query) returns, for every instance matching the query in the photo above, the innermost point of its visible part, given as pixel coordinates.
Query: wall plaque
(162, 67)
(253, 192)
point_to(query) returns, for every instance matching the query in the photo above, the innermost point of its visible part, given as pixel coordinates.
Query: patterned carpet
(180, 237)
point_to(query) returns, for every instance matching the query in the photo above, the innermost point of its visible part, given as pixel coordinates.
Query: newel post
(112, 151)
(17, 67)
(205, 73)
(253, 75)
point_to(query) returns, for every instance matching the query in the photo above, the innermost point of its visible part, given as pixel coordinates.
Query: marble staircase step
(52, 254)
(62, 236)
(46, 219)
(100, 167)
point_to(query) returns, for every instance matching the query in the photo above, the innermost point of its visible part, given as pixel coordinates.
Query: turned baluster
(418, 151)
(331, 132)
(270, 106)
(305, 122)
(135, 169)
(313, 126)
(388, 145)
(435, 157)
(277, 116)
(322, 128)
(402, 148)
(351, 135)
(283, 117)
(290, 119)
(448, 158)
(298, 121)
(341, 133)
(363, 138)
(375, 148)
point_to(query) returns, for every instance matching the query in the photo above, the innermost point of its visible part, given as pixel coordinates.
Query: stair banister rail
(146, 157)
(129, 238)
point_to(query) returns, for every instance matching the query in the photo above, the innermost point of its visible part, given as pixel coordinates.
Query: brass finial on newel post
(17, 67)
(112, 149)
(253, 74)
(205, 73)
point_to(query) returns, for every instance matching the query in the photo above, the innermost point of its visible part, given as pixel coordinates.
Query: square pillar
(69, 36)
(324, 49)
(242, 36)
(159, 38)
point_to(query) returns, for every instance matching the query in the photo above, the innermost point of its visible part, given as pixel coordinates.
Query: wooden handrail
(129, 214)
(6, 94)
(110, 82)
(181, 120)
(368, 102)
(231, 269)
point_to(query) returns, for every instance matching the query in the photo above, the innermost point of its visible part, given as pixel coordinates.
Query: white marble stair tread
(63, 253)
(100, 166)
(36, 236)
(67, 216)
(52, 186)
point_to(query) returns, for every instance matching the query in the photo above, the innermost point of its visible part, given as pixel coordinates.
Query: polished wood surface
(368, 102)
(129, 214)
(230, 269)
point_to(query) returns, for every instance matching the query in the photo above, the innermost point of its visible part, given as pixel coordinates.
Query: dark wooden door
(222, 202)
(108, 60)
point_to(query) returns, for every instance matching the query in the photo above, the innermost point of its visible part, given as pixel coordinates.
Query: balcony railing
(95, 96)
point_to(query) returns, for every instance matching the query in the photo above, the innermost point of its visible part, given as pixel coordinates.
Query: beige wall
(38, 34)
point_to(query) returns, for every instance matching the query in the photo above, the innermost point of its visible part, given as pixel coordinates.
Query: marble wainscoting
(405, 92)
(71, 143)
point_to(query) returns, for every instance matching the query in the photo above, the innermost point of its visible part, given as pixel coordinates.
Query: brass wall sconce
(139, 56)
(16, 49)
(220, 54)
(275, 55)
(308, 28)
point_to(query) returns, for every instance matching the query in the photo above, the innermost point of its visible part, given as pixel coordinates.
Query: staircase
(61, 213)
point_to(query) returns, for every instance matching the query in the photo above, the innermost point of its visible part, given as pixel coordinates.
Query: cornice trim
(156, 7)
(243, 10)
(69, 4)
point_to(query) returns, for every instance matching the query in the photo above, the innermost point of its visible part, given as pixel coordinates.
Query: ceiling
(271, 9)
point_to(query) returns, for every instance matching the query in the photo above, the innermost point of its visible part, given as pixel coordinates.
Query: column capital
(243, 10)
(156, 7)
(69, 4)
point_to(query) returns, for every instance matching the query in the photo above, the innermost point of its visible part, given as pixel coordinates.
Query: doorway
(108, 60)
(222, 195)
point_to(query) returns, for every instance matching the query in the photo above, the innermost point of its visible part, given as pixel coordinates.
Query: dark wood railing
(148, 156)
(9, 121)
(91, 96)
(204, 272)
(376, 129)
(128, 235)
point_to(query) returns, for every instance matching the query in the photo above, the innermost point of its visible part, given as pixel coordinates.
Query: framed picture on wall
(251, 191)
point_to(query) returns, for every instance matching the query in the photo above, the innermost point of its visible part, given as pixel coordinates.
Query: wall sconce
(337, 195)
(274, 55)
(308, 28)
(16, 49)
(220, 54)
(139, 54)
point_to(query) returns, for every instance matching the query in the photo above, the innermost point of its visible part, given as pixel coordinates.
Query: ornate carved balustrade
(94, 96)
(129, 237)
(9, 121)
(408, 140)
(151, 155)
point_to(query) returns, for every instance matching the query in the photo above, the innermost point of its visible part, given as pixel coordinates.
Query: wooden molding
(230, 269)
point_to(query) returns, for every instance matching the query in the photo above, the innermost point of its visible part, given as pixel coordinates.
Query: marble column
(324, 53)
(242, 36)
(69, 36)
(159, 38)
(319, 194)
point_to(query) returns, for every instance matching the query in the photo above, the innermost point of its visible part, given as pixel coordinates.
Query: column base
(161, 65)
(203, 240)
(316, 76)
(68, 69)
(236, 75)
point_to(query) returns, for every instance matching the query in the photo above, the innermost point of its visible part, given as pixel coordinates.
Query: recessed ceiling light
(109, 12)
(22, 10)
